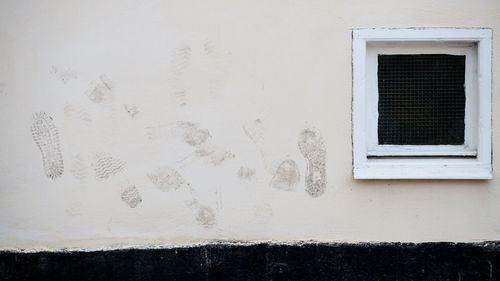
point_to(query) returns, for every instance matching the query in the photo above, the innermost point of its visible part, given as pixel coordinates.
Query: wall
(132, 123)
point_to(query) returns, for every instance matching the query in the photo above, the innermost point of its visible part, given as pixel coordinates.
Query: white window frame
(469, 161)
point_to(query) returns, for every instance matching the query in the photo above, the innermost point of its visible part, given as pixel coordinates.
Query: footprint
(64, 75)
(46, 136)
(106, 166)
(77, 112)
(287, 176)
(312, 147)
(206, 216)
(245, 173)
(79, 168)
(131, 110)
(192, 134)
(131, 196)
(254, 131)
(202, 62)
(100, 90)
(166, 179)
(214, 155)
(180, 61)
(217, 65)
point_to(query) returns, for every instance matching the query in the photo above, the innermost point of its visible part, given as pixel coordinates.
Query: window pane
(421, 99)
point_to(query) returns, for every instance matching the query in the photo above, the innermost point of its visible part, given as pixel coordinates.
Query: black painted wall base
(386, 261)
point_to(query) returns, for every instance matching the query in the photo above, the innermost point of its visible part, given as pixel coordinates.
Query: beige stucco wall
(211, 86)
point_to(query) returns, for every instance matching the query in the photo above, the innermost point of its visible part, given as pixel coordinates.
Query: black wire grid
(421, 99)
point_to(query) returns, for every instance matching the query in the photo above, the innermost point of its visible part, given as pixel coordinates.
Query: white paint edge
(439, 168)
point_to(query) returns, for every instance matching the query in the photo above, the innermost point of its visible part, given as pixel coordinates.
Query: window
(422, 103)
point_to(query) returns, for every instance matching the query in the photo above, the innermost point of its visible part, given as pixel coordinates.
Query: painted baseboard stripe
(338, 261)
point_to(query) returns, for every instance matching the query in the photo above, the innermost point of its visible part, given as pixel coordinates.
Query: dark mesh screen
(421, 99)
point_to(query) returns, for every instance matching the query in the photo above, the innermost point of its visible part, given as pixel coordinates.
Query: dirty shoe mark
(254, 131)
(180, 61)
(131, 110)
(216, 64)
(312, 147)
(63, 75)
(208, 47)
(192, 203)
(206, 217)
(100, 90)
(131, 196)
(214, 156)
(106, 81)
(180, 96)
(245, 173)
(77, 112)
(219, 203)
(46, 137)
(192, 134)
(160, 132)
(106, 166)
(166, 179)
(287, 176)
(79, 169)
(202, 62)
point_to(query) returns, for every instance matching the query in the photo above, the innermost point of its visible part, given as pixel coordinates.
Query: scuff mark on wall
(73, 210)
(254, 131)
(106, 166)
(160, 132)
(63, 75)
(166, 179)
(100, 90)
(77, 112)
(132, 110)
(131, 196)
(211, 154)
(192, 203)
(79, 168)
(216, 65)
(206, 216)
(208, 47)
(180, 61)
(46, 137)
(192, 134)
(287, 176)
(196, 61)
(219, 201)
(312, 147)
(245, 173)
(214, 156)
